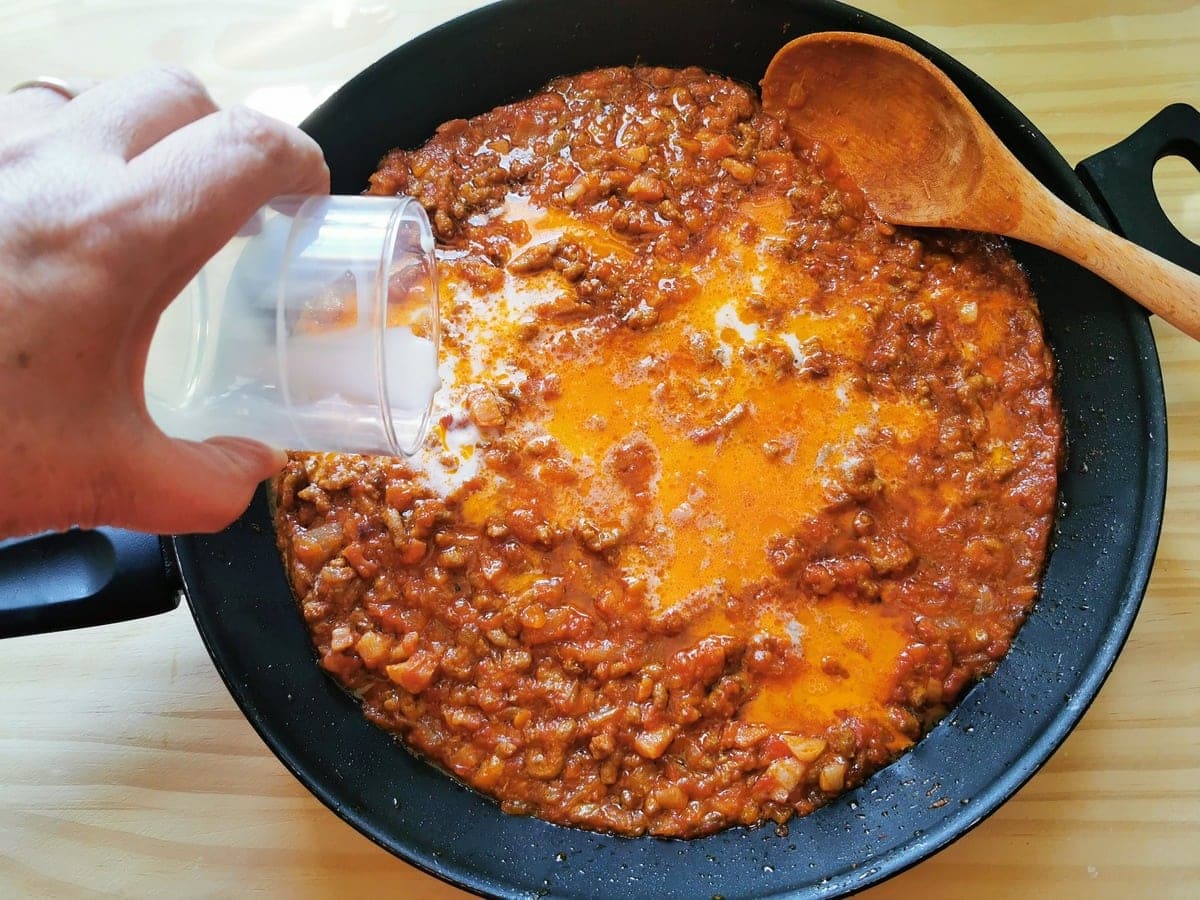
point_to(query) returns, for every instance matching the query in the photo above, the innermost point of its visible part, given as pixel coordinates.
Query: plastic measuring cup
(316, 328)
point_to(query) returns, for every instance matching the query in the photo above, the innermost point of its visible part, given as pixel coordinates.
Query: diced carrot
(366, 568)
(416, 672)
(315, 546)
(413, 552)
(719, 147)
(373, 648)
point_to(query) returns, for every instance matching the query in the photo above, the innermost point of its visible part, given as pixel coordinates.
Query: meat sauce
(734, 488)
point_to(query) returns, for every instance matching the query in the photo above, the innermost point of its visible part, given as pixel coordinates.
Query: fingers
(207, 179)
(129, 114)
(187, 486)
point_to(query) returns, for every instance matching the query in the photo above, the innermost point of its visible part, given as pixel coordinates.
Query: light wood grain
(126, 770)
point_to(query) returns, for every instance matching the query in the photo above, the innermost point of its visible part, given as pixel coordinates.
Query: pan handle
(1121, 179)
(73, 579)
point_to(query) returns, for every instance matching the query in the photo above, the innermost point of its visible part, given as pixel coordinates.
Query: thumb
(200, 486)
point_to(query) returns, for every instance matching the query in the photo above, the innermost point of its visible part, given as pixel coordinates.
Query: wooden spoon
(922, 155)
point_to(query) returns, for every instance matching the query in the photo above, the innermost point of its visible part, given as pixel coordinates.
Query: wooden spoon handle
(1164, 288)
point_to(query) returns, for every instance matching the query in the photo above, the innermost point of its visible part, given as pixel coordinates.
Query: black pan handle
(73, 579)
(1121, 179)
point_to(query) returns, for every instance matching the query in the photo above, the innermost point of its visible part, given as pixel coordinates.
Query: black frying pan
(1001, 733)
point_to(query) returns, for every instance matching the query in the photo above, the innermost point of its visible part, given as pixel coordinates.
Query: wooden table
(126, 769)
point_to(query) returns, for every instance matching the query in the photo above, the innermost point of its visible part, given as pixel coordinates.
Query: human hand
(109, 204)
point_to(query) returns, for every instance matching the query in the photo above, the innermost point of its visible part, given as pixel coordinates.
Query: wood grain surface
(126, 769)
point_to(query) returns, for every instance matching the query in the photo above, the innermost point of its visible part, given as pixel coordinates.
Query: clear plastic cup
(316, 328)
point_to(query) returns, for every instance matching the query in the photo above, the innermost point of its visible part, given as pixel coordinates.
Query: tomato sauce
(734, 489)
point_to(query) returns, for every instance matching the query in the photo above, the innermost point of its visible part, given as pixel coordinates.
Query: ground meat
(733, 491)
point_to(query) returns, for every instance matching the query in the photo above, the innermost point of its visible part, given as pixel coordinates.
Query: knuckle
(276, 141)
(258, 130)
(181, 82)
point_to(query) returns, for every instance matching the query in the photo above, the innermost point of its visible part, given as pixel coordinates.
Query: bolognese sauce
(734, 487)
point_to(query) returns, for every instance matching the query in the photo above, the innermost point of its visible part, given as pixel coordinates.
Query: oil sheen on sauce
(715, 497)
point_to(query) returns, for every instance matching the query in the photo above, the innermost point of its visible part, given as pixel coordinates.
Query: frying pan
(1006, 727)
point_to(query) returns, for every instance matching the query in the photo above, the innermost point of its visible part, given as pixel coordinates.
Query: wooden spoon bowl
(923, 156)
